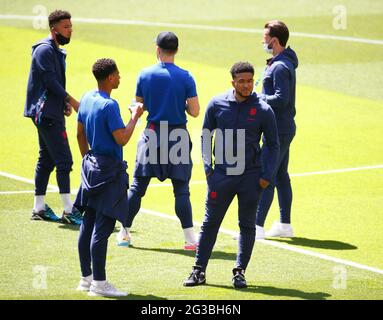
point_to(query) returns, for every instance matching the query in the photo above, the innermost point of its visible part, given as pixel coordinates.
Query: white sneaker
(124, 239)
(259, 232)
(84, 284)
(280, 230)
(105, 289)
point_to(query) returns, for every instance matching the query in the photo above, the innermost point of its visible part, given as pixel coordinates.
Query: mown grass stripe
(196, 27)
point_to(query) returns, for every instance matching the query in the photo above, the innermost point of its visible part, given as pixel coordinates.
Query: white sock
(189, 235)
(124, 230)
(98, 283)
(67, 202)
(39, 203)
(88, 278)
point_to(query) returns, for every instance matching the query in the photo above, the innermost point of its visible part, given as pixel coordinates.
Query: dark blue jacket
(279, 89)
(46, 84)
(104, 186)
(253, 115)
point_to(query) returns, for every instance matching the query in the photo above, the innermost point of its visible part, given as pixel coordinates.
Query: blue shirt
(256, 117)
(165, 89)
(100, 115)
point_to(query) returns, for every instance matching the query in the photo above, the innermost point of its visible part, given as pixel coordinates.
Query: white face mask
(267, 49)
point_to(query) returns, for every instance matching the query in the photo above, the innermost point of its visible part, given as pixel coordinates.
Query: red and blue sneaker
(46, 215)
(74, 217)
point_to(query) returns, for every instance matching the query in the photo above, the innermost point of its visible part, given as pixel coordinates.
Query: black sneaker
(47, 215)
(197, 277)
(239, 280)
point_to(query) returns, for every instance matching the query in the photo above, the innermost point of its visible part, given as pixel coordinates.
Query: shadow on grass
(321, 244)
(61, 225)
(74, 227)
(132, 297)
(215, 255)
(279, 292)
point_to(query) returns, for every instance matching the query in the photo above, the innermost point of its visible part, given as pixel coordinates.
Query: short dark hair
(167, 41)
(57, 16)
(104, 67)
(279, 30)
(241, 67)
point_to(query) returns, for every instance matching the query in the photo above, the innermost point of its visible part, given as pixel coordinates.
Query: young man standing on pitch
(279, 92)
(47, 103)
(238, 119)
(104, 181)
(168, 93)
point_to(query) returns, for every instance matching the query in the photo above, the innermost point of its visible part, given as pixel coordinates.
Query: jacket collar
(53, 44)
(231, 97)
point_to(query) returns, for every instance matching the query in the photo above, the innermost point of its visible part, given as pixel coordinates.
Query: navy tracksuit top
(104, 186)
(253, 115)
(279, 89)
(46, 83)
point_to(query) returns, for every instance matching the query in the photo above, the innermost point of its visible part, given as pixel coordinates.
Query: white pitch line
(321, 256)
(235, 234)
(199, 182)
(162, 184)
(278, 245)
(379, 166)
(194, 26)
(22, 192)
(304, 174)
(18, 178)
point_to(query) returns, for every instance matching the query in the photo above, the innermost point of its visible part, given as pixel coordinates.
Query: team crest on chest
(252, 113)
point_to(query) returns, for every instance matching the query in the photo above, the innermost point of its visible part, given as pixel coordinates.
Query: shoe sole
(83, 289)
(280, 236)
(66, 220)
(190, 249)
(95, 294)
(194, 284)
(123, 244)
(38, 218)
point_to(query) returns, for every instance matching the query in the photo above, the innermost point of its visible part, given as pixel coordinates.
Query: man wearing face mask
(46, 104)
(279, 92)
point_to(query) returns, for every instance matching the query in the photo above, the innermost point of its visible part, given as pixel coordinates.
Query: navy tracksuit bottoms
(221, 191)
(280, 180)
(54, 152)
(182, 200)
(95, 230)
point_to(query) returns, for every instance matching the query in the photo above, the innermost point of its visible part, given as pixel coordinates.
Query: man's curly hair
(57, 16)
(241, 67)
(104, 67)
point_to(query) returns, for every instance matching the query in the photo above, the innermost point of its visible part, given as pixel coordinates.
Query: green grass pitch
(339, 120)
